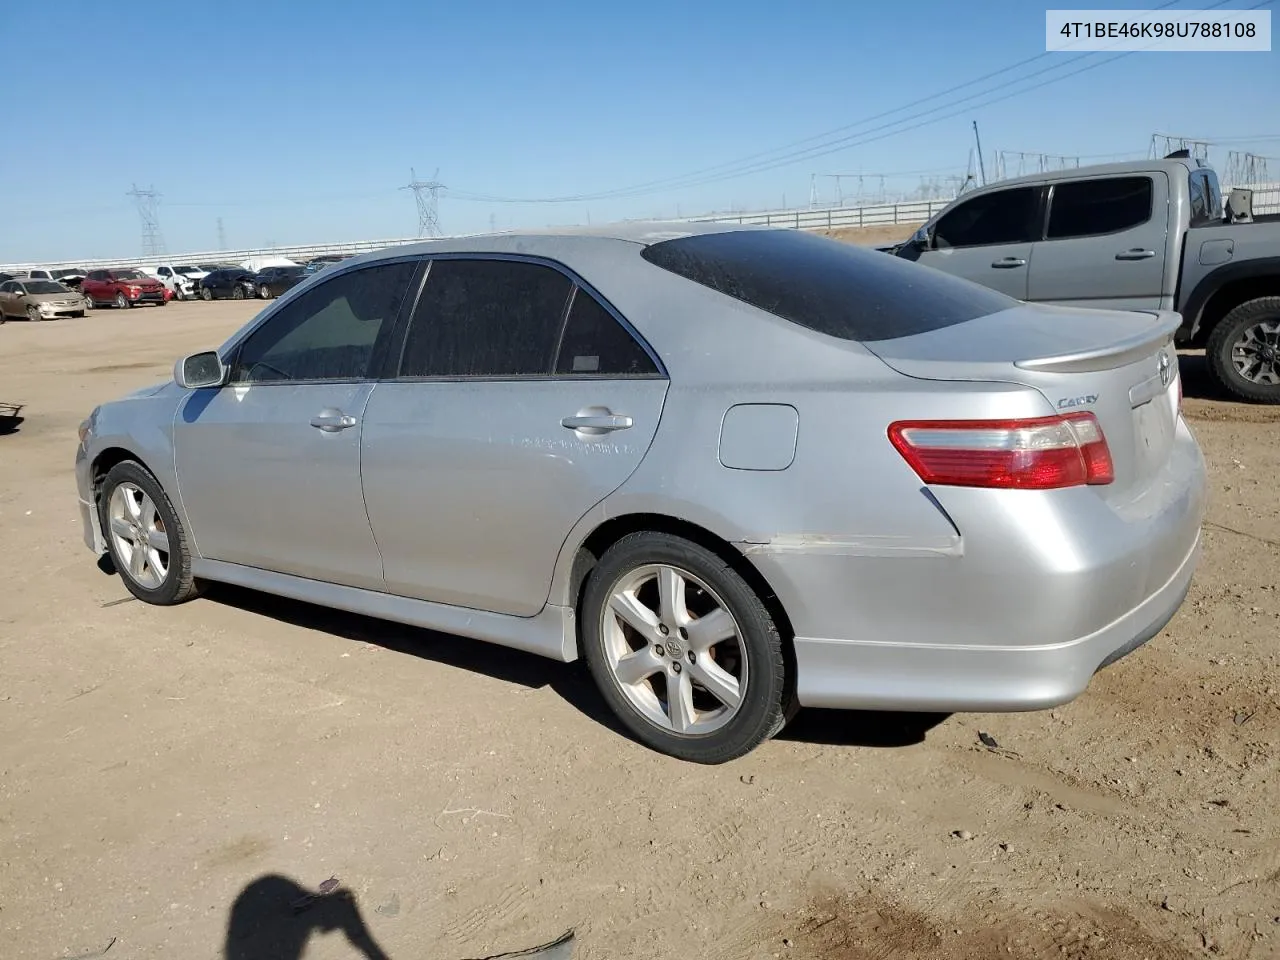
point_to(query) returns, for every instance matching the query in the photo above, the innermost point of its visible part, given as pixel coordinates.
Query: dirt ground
(158, 764)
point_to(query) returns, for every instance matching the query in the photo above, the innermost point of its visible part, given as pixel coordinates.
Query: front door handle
(1135, 254)
(597, 424)
(331, 421)
(1009, 262)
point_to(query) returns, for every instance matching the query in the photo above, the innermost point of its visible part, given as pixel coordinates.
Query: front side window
(8, 287)
(486, 318)
(330, 333)
(595, 344)
(1088, 208)
(1005, 216)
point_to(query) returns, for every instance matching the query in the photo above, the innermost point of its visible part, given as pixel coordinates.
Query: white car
(177, 279)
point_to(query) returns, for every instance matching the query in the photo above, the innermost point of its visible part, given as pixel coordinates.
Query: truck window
(1001, 217)
(1087, 208)
(1206, 197)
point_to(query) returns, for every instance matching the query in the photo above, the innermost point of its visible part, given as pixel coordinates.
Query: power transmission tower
(1162, 145)
(427, 195)
(146, 201)
(222, 236)
(1245, 168)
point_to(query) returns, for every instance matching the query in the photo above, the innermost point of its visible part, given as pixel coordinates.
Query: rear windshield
(832, 287)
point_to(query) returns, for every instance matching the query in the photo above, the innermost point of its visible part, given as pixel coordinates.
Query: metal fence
(1266, 200)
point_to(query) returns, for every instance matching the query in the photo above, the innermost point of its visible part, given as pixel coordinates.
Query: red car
(122, 288)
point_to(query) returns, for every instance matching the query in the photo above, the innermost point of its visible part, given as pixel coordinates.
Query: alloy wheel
(674, 650)
(138, 535)
(1256, 353)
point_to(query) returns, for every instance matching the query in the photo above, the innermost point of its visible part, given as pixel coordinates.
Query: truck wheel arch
(1226, 288)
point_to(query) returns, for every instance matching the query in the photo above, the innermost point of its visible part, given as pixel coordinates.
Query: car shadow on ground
(860, 728)
(1197, 380)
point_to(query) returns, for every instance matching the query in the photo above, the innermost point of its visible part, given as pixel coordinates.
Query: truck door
(988, 239)
(1105, 244)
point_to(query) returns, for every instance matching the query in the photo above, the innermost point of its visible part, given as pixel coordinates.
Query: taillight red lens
(1043, 453)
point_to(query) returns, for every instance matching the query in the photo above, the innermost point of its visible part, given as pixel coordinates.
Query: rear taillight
(1043, 453)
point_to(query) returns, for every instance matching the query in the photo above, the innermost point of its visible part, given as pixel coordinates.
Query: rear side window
(595, 344)
(1006, 216)
(1088, 208)
(486, 318)
(1206, 198)
(825, 285)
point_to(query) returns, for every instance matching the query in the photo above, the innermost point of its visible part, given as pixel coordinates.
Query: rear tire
(157, 576)
(734, 687)
(1244, 350)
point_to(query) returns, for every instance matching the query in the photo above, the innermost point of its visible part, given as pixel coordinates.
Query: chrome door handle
(1009, 262)
(1135, 254)
(599, 423)
(331, 421)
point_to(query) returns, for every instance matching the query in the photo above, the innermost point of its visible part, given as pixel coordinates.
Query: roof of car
(546, 241)
(1175, 167)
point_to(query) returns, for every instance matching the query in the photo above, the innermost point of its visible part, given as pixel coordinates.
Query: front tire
(683, 650)
(264, 292)
(1244, 350)
(237, 292)
(147, 542)
(206, 294)
(33, 315)
(122, 302)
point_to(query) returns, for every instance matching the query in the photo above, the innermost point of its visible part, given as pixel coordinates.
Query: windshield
(68, 273)
(45, 286)
(188, 271)
(127, 275)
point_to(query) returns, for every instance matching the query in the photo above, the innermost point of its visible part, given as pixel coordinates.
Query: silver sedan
(737, 471)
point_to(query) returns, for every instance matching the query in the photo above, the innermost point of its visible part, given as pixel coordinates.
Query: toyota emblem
(1166, 370)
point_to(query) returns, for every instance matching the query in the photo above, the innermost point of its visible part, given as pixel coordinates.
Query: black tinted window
(486, 318)
(825, 285)
(1003, 217)
(596, 344)
(331, 332)
(1090, 207)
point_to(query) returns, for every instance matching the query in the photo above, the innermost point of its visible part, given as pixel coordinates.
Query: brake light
(1042, 453)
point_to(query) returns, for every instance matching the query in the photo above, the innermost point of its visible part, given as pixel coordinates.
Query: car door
(269, 465)
(988, 239)
(8, 298)
(520, 401)
(1105, 244)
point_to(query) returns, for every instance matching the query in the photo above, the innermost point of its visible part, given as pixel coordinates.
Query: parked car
(122, 288)
(181, 286)
(235, 283)
(735, 469)
(316, 264)
(1144, 235)
(70, 276)
(273, 281)
(39, 300)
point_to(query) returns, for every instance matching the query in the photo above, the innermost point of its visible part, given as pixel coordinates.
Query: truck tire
(1244, 350)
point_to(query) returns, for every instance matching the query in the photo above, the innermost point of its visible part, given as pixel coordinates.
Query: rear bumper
(1016, 611)
(903, 676)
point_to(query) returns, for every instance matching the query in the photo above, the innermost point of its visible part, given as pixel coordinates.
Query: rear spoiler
(1117, 354)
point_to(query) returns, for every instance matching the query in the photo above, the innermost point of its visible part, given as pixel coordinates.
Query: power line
(704, 176)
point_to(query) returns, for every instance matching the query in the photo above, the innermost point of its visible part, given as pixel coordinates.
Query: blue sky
(296, 122)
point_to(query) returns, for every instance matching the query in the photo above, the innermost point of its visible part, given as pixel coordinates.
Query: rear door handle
(331, 421)
(1135, 254)
(1009, 262)
(597, 423)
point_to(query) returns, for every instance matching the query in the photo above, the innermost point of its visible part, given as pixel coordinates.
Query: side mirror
(923, 238)
(200, 370)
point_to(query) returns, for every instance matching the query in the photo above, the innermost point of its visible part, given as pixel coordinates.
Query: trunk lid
(1119, 366)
